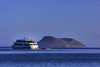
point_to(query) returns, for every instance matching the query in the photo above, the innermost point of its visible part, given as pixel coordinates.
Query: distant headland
(53, 42)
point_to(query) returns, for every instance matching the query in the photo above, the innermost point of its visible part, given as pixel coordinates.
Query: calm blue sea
(50, 58)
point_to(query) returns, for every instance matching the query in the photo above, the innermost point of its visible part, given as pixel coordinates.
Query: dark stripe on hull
(21, 47)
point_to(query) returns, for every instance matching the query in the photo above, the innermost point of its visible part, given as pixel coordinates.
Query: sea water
(50, 58)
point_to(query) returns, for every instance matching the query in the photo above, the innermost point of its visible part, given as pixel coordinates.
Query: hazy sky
(78, 19)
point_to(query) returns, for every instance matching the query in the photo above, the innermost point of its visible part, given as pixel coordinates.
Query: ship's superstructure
(25, 44)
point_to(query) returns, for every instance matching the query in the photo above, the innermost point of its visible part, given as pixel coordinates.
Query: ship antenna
(24, 37)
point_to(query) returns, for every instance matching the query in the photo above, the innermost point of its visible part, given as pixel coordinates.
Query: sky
(77, 19)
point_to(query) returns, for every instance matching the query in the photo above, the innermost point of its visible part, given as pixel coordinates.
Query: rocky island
(53, 42)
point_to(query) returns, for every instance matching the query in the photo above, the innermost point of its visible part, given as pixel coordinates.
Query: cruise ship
(25, 44)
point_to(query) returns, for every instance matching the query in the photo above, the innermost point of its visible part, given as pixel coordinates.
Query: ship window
(24, 41)
(15, 44)
(18, 41)
(18, 44)
(25, 44)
